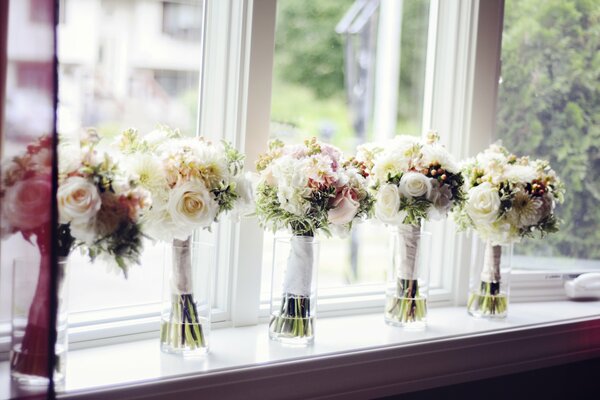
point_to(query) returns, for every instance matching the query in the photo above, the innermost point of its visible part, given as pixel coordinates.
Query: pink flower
(26, 204)
(344, 208)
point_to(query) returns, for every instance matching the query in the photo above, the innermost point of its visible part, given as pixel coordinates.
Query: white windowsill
(352, 357)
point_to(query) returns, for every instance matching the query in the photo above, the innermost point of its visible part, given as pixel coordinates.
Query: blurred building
(121, 62)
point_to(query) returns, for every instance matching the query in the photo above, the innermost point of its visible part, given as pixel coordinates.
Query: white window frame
(235, 100)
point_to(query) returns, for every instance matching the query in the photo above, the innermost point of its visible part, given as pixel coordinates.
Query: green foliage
(271, 214)
(311, 51)
(549, 107)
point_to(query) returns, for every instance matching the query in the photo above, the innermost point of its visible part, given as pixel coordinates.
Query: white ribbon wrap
(409, 240)
(181, 279)
(298, 276)
(491, 263)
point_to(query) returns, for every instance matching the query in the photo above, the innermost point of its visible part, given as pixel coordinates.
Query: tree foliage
(549, 107)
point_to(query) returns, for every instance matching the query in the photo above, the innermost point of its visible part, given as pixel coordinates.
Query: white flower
(191, 206)
(433, 154)
(389, 164)
(78, 199)
(387, 206)
(519, 173)
(525, 211)
(149, 172)
(414, 184)
(244, 187)
(483, 204)
(26, 204)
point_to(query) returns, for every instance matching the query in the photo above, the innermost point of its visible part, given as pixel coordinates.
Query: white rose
(387, 206)
(414, 184)
(192, 206)
(519, 173)
(26, 204)
(78, 199)
(483, 203)
(433, 154)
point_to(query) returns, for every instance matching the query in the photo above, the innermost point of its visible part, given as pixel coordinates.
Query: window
(547, 107)
(118, 70)
(348, 72)
(182, 20)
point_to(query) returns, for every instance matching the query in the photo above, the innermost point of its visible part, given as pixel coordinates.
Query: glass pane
(122, 64)
(27, 268)
(325, 84)
(548, 108)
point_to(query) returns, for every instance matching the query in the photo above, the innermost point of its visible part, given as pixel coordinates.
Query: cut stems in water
(183, 331)
(406, 305)
(294, 318)
(488, 301)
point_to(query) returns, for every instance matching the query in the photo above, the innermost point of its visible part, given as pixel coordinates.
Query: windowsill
(357, 355)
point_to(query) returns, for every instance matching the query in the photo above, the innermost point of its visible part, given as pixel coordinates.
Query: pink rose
(344, 208)
(26, 204)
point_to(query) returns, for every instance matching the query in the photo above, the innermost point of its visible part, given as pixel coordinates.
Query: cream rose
(78, 199)
(483, 203)
(26, 204)
(191, 206)
(345, 207)
(414, 184)
(387, 206)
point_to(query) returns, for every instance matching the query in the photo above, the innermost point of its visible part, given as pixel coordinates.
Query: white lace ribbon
(491, 263)
(409, 240)
(181, 278)
(298, 275)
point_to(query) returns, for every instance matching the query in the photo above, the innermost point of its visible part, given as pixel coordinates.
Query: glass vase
(30, 319)
(186, 304)
(294, 290)
(489, 284)
(407, 287)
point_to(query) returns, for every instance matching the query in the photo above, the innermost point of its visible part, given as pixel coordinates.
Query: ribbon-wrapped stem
(183, 331)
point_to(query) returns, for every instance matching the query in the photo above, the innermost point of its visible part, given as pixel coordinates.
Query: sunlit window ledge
(352, 357)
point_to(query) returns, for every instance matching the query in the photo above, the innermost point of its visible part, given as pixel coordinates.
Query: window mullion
(461, 84)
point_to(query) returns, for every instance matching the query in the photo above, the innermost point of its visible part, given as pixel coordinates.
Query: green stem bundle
(406, 305)
(294, 319)
(183, 330)
(488, 301)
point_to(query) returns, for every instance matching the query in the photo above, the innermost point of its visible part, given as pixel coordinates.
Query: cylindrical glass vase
(187, 295)
(30, 332)
(407, 287)
(489, 285)
(294, 290)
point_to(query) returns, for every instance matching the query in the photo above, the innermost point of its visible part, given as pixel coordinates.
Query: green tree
(549, 107)
(309, 51)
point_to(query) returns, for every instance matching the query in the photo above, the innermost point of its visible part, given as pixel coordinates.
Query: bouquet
(414, 180)
(99, 210)
(306, 189)
(508, 198)
(100, 205)
(192, 182)
(26, 198)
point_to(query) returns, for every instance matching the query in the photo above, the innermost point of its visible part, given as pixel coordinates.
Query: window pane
(548, 108)
(124, 64)
(326, 84)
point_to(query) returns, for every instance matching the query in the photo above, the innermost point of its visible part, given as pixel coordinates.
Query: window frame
(460, 101)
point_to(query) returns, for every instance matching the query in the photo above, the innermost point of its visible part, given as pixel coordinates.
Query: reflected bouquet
(99, 205)
(414, 180)
(305, 189)
(508, 198)
(192, 182)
